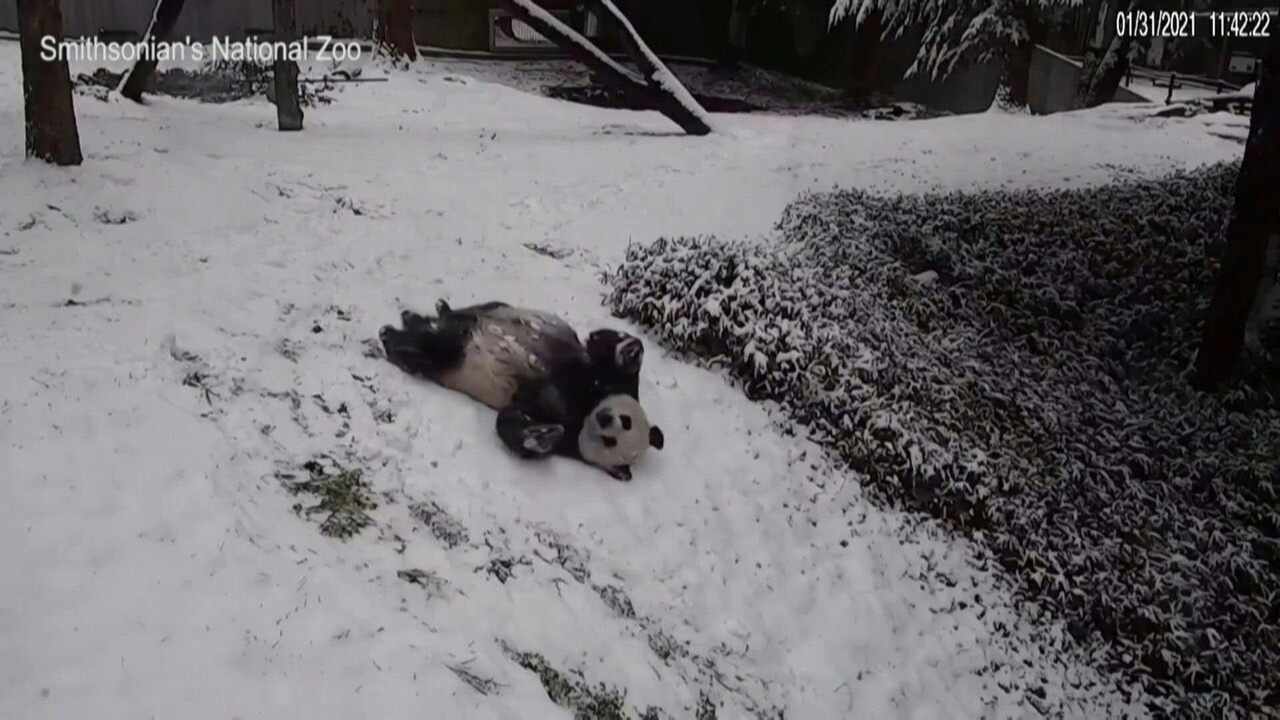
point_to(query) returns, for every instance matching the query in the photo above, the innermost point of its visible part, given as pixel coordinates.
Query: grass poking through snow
(345, 498)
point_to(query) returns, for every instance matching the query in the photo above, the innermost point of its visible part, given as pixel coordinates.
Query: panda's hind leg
(413, 321)
(424, 347)
(526, 437)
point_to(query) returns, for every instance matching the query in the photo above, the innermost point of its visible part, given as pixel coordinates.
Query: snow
(153, 566)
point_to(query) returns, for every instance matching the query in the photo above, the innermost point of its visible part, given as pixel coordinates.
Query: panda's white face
(616, 434)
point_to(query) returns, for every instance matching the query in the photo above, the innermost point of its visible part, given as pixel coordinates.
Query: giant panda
(554, 395)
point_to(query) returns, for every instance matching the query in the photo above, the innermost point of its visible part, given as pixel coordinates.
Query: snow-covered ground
(224, 278)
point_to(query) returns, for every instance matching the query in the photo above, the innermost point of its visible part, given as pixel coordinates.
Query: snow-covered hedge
(1015, 363)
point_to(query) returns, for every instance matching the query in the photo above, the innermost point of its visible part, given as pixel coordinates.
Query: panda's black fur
(554, 394)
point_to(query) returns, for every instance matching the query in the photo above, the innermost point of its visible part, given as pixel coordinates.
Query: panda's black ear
(655, 437)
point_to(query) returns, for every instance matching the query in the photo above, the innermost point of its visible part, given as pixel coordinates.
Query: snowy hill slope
(185, 317)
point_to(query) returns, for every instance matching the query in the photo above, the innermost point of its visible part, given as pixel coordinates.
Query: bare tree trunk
(1100, 79)
(395, 28)
(51, 131)
(1017, 68)
(285, 73)
(668, 97)
(163, 20)
(1106, 77)
(1254, 220)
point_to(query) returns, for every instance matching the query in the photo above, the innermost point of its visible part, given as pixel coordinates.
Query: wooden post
(51, 131)
(285, 73)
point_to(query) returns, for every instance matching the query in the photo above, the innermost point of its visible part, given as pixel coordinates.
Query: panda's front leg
(525, 436)
(620, 352)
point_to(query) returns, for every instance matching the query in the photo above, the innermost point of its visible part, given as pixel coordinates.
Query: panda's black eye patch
(626, 421)
(609, 441)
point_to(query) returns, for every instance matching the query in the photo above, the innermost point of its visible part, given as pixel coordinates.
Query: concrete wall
(855, 58)
(967, 90)
(204, 19)
(1051, 86)
(970, 89)
(9, 15)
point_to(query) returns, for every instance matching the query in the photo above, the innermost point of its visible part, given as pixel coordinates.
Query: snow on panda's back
(508, 345)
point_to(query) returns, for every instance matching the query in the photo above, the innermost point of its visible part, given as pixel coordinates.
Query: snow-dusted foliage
(954, 30)
(1014, 363)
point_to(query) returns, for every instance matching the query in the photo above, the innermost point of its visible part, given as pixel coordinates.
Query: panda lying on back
(553, 394)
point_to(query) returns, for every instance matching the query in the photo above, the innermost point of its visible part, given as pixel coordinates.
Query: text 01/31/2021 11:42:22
(1187, 24)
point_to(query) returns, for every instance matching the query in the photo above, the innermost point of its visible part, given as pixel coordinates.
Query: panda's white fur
(491, 368)
(503, 350)
(630, 440)
(507, 346)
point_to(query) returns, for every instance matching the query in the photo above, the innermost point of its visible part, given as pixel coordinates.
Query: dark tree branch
(1254, 220)
(163, 20)
(51, 131)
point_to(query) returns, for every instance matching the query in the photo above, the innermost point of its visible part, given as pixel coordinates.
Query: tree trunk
(1254, 220)
(1017, 68)
(662, 92)
(51, 131)
(1098, 85)
(163, 20)
(395, 28)
(285, 73)
(715, 16)
(1100, 77)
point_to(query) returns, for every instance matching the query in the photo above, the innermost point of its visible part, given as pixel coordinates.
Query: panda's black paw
(629, 354)
(442, 308)
(541, 439)
(412, 321)
(387, 336)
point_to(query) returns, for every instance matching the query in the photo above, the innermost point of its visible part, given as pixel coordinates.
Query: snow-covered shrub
(218, 81)
(1015, 363)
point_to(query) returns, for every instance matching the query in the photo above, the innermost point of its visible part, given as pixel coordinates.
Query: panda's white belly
(492, 367)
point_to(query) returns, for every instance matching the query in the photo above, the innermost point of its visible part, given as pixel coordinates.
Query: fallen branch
(655, 71)
(655, 95)
(163, 20)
